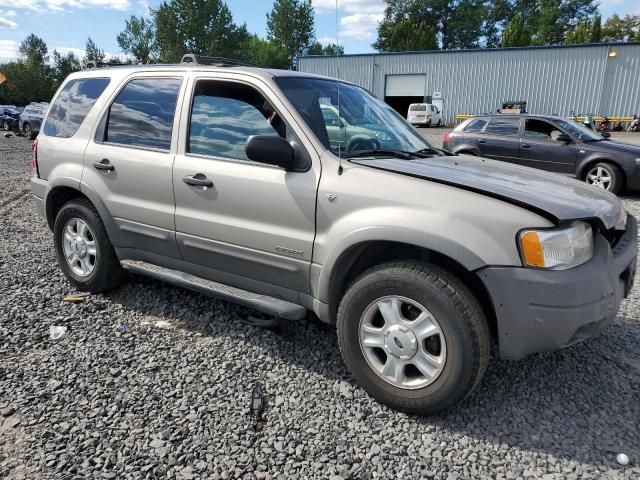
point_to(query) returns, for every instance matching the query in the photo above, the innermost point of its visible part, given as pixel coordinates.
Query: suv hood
(553, 196)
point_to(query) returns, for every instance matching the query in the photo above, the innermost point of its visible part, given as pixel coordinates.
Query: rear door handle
(198, 180)
(104, 164)
(482, 141)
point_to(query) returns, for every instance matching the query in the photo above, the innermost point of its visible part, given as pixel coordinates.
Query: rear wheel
(413, 336)
(5, 126)
(606, 176)
(83, 248)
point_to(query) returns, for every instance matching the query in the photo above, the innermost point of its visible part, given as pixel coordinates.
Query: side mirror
(563, 137)
(271, 150)
(605, 134)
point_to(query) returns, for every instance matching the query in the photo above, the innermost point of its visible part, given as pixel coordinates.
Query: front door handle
(525, 145)
(482, 141)
(104, 164)
(198, 180)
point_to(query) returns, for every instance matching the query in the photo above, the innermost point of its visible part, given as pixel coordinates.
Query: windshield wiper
(383, 153)
(431, 150)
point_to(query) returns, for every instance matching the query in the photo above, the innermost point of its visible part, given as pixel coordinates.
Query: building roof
(479, 50)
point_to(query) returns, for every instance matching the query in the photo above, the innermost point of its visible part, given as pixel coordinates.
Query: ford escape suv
(223, 179)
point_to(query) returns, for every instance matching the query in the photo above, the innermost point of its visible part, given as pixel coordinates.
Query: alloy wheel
(79, 246)
(600, 177)
(402, 342)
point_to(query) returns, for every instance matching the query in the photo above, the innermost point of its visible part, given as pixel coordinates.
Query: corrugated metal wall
(554, 80)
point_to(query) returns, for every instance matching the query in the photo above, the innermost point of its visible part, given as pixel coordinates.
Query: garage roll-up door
(405, 86)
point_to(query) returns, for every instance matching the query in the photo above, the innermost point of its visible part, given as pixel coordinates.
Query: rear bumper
(39, 188)
(540, 310)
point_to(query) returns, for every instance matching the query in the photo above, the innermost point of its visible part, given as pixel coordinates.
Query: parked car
(9, 117)
(225, 181)
(351, 137)
(549, 143)
(31, 118)
(424, 114)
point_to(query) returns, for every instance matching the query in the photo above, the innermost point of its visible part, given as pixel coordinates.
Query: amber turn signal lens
(532, 249)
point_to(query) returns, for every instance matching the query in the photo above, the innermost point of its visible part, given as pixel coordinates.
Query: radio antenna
(340, 169)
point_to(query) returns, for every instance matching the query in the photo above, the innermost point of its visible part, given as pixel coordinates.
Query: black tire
(5, 126)
(456, 310)
(26, 129)
(107, 273)
(617, 177)
(439, 124)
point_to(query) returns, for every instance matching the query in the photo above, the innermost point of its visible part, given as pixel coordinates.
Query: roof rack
(191, 58)
(95, 64)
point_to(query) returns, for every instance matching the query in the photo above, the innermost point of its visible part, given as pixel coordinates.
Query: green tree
(516, 33)
(580, 34)
(92, 52)
(549, 28)
(265, 53)
(203, 27)
(332, 49)
(404, 35)
(497, 15)
(595, 35)
(138, 39)
(33, 49)
(64, 65)
(290, 26)
(617, 29)
(29, 79)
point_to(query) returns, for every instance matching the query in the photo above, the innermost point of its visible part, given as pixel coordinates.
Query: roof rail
(95, 64)
(192, 58)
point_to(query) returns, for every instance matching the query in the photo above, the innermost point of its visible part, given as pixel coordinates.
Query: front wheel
(606, 176)
(413, 336)
(83, 248)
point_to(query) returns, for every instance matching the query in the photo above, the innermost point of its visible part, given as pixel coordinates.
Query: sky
(66, 24)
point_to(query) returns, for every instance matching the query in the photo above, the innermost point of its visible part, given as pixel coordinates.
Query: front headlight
(557, 249)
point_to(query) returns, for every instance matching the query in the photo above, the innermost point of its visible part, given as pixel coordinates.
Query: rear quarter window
(72, 106)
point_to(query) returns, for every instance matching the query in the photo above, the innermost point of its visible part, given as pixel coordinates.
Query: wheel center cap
(79, 247)
(400, 342)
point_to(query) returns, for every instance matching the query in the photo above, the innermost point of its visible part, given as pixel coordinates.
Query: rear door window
(475, 125)
(142, 113)
(503, 127)
(72, 106)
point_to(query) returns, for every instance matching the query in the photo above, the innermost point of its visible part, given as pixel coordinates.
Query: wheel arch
(360, 257)
(588, 163)
(65, 189)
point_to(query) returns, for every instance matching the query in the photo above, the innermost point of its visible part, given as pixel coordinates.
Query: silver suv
(223, 179)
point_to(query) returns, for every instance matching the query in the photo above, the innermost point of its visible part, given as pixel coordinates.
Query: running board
(262, 303)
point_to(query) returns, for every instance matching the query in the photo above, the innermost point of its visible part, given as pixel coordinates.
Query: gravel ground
(153, 381)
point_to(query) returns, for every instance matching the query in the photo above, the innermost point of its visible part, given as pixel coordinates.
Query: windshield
(579, 131)
(358, 123)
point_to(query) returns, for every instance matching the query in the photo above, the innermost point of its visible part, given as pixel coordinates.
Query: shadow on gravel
(580, 403)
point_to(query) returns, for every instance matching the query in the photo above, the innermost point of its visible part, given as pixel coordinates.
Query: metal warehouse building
(603, 79)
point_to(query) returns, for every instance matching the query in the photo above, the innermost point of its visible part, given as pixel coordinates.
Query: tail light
(34, 160)
(447, 137)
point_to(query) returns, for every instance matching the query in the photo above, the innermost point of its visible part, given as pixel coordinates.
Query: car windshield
(579, 131)
(346, 119)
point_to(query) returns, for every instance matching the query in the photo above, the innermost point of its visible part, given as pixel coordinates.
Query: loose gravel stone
(168, 397)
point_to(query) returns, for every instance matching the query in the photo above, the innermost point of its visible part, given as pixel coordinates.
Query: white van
(425, 114)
